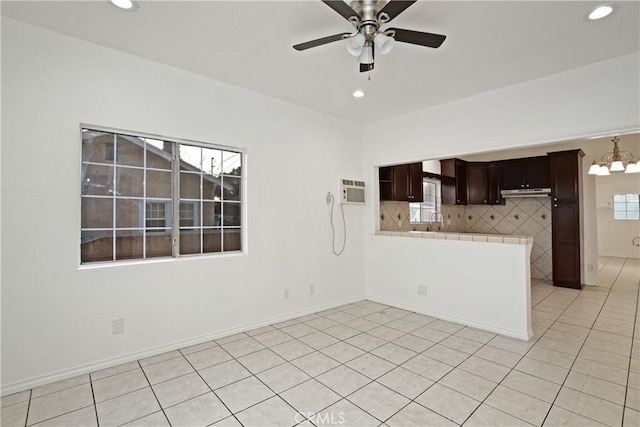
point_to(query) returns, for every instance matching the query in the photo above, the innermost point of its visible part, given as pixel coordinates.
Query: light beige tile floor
(368, 364)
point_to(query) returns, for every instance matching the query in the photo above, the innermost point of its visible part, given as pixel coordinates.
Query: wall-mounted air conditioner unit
(352, 191)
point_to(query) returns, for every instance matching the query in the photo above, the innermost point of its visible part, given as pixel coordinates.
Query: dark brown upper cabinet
(402, 183)
(477, 189)
(483, 183)
(532, 172)
(494, 184)
(385, 176)
(454, 192)
(564, 182)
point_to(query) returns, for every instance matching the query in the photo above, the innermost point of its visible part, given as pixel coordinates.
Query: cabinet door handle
(555, 199)
(485, 201)
(527, 185)
(555, 205)
(521, 185)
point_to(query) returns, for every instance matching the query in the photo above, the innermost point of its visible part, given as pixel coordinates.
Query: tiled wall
(518, 217)
(394, 216)
(522, 217)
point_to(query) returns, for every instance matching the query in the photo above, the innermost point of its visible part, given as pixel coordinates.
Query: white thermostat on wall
(352, 191)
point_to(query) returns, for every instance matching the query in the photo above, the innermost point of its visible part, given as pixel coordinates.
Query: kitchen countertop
(469, 237)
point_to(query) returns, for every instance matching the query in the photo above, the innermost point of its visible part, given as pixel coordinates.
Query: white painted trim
(506, 332)
(107, 363)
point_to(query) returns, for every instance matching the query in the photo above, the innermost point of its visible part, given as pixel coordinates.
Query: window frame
(437, 203)
(626, 203)
(172, 212)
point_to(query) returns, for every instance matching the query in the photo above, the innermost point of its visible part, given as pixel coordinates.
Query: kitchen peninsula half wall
(477, 280)
(518, 217)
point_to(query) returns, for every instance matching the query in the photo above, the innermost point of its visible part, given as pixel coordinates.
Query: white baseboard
(64, 374)
(507, 332)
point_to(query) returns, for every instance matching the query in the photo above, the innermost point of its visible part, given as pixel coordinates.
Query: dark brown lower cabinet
(566, 244)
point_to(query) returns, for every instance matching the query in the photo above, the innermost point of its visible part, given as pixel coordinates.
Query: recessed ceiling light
(358, 93)
(600, 12)
(124, 4)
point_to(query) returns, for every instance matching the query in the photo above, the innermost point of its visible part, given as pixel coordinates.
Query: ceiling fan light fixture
(600, 12)
(384, 43)
(355, 44)
(367, 54)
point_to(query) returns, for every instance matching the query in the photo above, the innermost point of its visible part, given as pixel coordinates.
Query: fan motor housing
(367, 9)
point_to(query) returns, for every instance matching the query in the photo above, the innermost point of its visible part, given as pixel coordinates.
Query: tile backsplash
(394, 216)
(518, 216)
(522, 217)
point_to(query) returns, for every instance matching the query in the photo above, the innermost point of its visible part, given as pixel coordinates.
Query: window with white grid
(429, 209)
(626, 207)
(146, 197)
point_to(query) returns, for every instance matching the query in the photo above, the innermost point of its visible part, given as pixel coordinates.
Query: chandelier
(615, 161)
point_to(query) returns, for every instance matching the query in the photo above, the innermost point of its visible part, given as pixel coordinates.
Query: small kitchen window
(626, 207)
(429, 210)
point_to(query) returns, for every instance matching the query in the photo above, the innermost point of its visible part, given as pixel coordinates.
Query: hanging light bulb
(632, 167)
(617, 166)
(355, 44)
(384, 43)
(367, 54)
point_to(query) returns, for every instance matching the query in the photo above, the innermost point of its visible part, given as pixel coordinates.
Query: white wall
(56, 317)
(485, 285)
(598, 99)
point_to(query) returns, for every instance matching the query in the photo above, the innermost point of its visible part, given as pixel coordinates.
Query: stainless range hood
(526, 192)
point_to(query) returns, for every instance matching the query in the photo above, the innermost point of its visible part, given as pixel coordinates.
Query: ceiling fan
(367, 16)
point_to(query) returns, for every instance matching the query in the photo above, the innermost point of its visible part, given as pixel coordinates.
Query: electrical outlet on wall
(422, 289)
(286, 294)
(312, 289)
(118, 326)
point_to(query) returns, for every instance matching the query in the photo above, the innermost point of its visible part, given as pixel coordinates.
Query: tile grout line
(211, 389)
(26, 418)
(154, 395)
(95, 405)
(59, 415)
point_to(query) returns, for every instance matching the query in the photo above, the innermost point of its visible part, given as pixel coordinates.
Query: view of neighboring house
(128, 194)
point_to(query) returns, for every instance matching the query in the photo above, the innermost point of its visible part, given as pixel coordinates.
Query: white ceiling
(490, 44)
